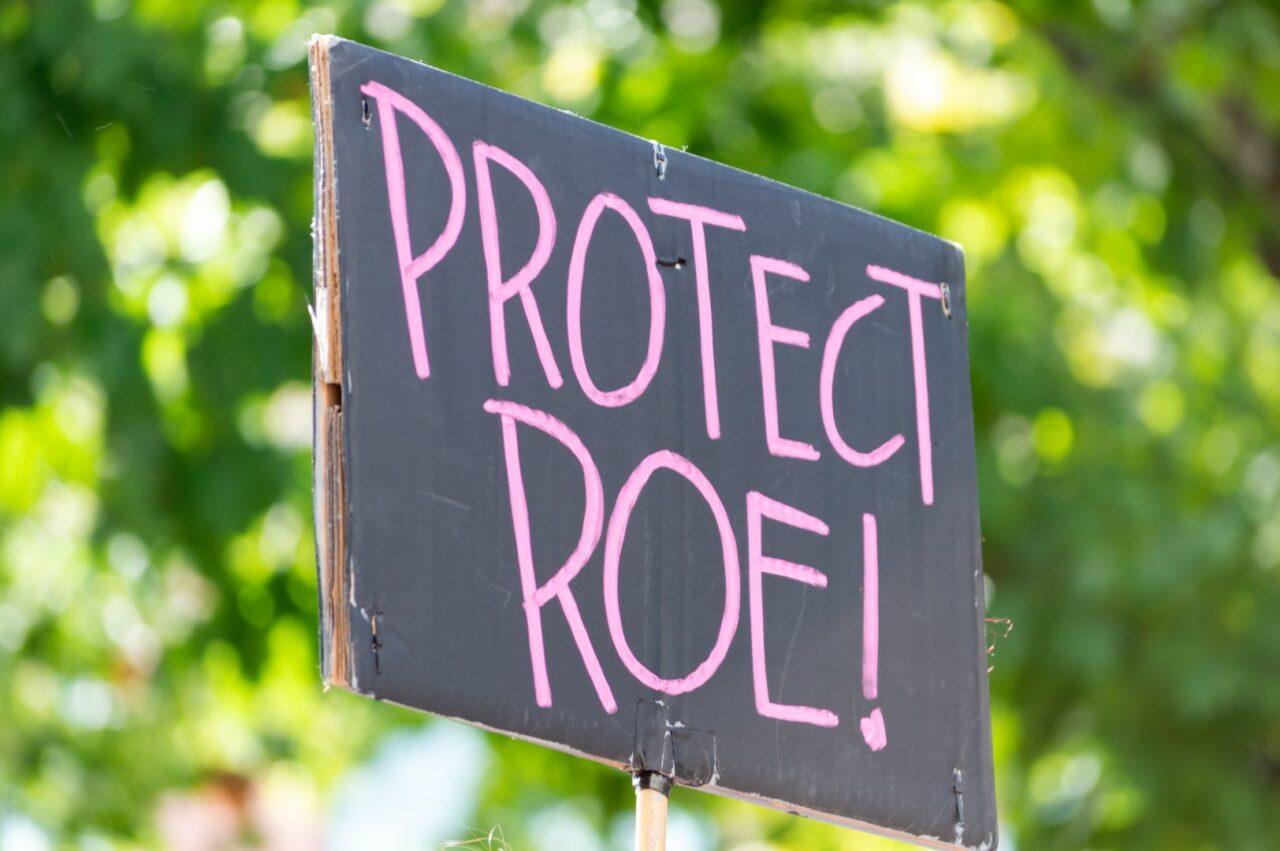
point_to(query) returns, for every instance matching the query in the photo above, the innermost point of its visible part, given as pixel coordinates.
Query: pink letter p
(412, 268)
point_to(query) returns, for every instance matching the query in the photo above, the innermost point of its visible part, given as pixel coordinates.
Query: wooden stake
(652, 790)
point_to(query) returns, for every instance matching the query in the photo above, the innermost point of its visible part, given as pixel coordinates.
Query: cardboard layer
(644, 458)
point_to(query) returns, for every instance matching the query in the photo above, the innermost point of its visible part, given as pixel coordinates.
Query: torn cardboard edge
(328, 460)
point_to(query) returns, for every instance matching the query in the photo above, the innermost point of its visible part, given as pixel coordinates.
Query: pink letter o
(613, 551)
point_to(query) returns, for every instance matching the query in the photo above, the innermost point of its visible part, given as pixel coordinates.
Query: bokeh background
(1111, 168)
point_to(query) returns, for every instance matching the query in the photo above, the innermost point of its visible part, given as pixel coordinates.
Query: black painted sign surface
(645, 458)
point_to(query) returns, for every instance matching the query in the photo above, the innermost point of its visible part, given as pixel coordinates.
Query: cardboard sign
(644, 458)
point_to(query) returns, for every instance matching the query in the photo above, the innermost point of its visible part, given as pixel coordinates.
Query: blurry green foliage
(1112, 170)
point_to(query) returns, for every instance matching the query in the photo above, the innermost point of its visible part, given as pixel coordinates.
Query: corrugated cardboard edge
(328, 459)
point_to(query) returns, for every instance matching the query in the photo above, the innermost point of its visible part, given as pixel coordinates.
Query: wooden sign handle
(652, 790)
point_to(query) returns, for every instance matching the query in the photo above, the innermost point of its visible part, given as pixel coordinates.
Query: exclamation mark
(873, 725)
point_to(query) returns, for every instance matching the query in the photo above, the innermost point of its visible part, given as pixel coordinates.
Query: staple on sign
(659, 159)
(959, 791)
